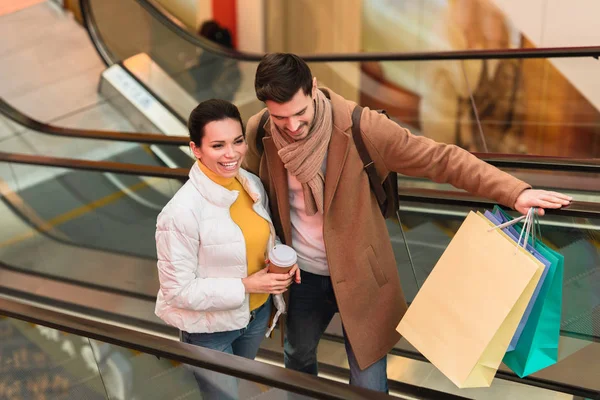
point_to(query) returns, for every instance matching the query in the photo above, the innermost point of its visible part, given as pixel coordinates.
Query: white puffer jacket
(202, 255)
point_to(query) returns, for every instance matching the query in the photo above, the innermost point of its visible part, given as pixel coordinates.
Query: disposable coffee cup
(282, 258)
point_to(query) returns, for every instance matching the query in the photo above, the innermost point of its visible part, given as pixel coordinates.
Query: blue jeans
(312, 305)
(242, 342)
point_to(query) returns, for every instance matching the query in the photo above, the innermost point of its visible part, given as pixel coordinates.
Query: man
(322, 205)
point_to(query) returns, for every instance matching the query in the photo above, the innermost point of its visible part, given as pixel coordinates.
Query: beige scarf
(303, 158)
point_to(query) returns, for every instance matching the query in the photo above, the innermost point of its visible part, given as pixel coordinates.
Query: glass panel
(103, 223)
(37, 362)
(533, 106)
(44, 363)
(129, 374)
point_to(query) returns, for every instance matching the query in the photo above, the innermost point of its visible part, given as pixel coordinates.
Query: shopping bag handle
(528, 226)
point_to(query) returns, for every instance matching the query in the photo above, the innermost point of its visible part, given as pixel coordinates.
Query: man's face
(294, 117)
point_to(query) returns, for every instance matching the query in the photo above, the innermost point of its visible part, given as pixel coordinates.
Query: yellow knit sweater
(254, 228)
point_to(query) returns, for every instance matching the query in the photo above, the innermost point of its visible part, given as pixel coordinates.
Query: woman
(211, 241)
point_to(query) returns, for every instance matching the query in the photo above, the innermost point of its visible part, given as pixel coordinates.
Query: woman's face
(223, 147)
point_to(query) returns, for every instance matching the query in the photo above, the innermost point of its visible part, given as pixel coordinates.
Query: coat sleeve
(177, 244)
(252, 159)
(395, 149)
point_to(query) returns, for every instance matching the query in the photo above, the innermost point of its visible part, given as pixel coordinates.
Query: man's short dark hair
(207, 112)
(279, 76)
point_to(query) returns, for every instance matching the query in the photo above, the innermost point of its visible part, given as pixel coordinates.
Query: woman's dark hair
(209, 111)
(279, 76)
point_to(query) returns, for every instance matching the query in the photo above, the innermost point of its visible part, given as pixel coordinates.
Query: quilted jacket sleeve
(177, 244)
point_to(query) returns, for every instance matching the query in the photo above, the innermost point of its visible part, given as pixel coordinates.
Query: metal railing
(197, 356)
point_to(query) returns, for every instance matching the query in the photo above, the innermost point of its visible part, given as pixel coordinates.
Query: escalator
(99, 263)
(176, 69)
(85, 236)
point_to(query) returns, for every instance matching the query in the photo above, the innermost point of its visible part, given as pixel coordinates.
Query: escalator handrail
(147, 138)
(577, 209)
(99, 166)
(197, 356)
(169, 21)
(500, 160)
(521, 161)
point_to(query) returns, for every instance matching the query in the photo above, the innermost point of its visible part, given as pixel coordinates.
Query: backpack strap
(260, 131)
(375, 181)
(368, 164)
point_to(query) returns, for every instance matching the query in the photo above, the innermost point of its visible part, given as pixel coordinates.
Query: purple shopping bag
(512, 233)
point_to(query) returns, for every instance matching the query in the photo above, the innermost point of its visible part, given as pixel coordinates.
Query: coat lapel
(280, 184)
(336, 157)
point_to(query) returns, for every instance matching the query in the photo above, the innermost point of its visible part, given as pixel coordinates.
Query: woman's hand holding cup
(277, 277)
(264, 282)
(282, 260)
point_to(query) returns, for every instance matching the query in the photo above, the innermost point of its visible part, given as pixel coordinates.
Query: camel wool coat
(359, 252)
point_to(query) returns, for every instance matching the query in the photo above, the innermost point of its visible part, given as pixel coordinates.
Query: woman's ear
(196, 150)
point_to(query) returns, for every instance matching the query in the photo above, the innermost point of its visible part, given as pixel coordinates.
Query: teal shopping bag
(537, 347)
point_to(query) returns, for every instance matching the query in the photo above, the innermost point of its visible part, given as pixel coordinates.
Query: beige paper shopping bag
(468, 309)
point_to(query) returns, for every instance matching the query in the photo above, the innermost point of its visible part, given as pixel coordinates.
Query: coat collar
(342, 109)
(336, 158)
(279, 181)
(217, 194)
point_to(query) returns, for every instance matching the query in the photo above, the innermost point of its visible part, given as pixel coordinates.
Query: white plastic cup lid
(283, 256)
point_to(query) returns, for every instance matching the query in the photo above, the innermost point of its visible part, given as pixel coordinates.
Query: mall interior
(94, 101)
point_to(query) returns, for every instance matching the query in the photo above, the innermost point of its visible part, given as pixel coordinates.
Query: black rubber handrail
(160, 14)
(147, 138)
(576, 209)
(197, 356)
(522, 161)
(99, 166)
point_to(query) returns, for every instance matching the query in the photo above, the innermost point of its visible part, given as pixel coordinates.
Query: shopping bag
(468, 309)
(537, 347)
(512, 233)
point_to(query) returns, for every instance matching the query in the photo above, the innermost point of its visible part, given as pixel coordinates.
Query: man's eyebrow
(299, 112)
